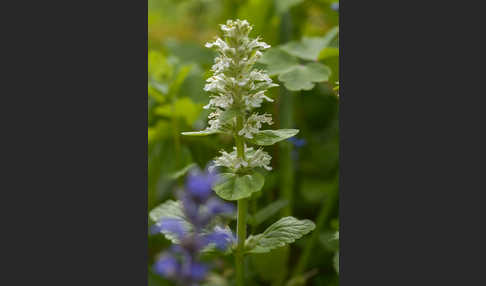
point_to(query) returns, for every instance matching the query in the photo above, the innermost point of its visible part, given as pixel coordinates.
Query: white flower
(255, 100)
(254, 123)
(253, 159)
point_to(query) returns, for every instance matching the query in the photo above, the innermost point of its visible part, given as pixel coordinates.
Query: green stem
(241, 235)
(241, 216)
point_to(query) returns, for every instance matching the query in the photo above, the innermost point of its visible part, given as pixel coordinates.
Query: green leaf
(284, 231)
(303, 77)
(278, 61)
(270, 137)
(170, 209)
(309, 48)
(200, 133)
(283, 6)
(234, 187)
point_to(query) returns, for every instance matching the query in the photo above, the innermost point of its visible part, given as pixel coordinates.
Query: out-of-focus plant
(193, 224)
(296, 63)
(237, 89)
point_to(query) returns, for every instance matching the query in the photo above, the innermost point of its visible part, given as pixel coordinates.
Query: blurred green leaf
(284, 231)
(270, 137)
(303, 77)
(278, 61)
(234, 187)
(309, 48)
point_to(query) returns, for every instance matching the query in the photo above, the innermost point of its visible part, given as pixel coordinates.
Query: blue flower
(221, 238)
(167, 266)
(171, 225)
(195, 271)
(199, 184)
(218, 207)
(297, 142)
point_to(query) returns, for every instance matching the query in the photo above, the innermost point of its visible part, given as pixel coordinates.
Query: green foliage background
(300, 33)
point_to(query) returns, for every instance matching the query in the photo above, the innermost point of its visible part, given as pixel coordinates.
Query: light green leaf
(200, 133)
(309, 48)
(233, 187)
(303, 77)
(284, 231)
(277, 61)
(170, 209)
(283, 6)
(270, 137)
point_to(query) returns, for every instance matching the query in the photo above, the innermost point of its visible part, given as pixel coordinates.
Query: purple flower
(218, 207)
(199, 184)
(195, 271)
(167, 266)
(221, 238)
(171, 225)
(297, 142)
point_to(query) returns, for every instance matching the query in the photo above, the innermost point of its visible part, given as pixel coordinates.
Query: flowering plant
(236, 89)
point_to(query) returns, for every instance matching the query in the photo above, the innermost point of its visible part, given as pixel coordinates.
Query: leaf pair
(262, 138)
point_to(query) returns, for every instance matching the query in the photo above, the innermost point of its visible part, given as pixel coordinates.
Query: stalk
(241, 235)
(240, 221)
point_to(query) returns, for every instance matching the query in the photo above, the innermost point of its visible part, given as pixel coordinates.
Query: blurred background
(304, 179)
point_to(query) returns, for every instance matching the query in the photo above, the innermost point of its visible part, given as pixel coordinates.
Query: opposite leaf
(270, 137)
(234, 187)
(284, 231)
